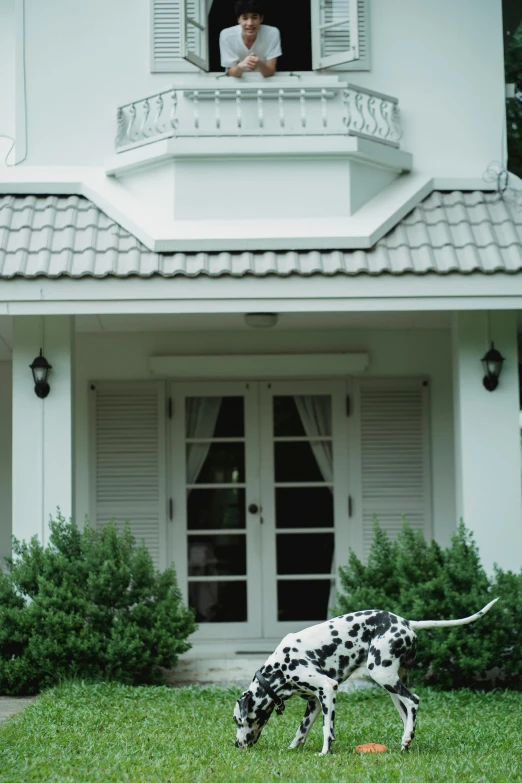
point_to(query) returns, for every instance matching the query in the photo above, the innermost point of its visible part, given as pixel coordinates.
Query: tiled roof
(463, 232)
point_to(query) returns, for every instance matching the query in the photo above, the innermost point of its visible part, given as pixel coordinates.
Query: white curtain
(201, 417)
(315, 412)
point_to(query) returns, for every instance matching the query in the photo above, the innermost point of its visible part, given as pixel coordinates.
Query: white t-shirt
(233, 49)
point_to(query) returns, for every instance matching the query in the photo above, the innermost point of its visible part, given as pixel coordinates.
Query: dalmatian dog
(314, 661)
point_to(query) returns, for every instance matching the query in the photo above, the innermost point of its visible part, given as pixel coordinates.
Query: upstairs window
(324, 34)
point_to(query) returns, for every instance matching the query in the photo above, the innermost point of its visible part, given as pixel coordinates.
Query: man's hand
(250, 63)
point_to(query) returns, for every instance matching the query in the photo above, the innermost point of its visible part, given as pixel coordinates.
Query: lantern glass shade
(492, 362)
(40, 368)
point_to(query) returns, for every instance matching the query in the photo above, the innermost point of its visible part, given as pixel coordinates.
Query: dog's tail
(417, 625)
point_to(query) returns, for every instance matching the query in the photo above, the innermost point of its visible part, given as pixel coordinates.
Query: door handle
(253, 508)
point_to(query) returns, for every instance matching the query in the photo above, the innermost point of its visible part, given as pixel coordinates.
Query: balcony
(309, 147)
(230, 108)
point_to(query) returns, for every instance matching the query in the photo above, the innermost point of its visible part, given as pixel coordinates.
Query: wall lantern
(40, 368)
(492, 363)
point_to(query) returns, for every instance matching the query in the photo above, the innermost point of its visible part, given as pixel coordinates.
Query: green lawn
(106, 732)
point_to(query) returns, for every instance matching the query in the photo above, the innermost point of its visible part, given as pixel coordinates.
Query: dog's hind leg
(313, 709)
(406, 702)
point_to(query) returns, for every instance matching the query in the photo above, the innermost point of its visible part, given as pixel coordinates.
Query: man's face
(250, 24)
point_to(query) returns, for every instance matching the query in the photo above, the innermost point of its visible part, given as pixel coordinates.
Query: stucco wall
(444, 61)
(5, 459)
(7, 77)
(393, 353)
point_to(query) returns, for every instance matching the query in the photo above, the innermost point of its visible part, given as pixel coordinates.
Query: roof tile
(55, 236)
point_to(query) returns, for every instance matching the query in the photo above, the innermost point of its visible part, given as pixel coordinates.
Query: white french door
(258, 479)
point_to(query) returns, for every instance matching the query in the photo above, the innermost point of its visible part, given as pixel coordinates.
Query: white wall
(393, 353)
(5, 460)
(443, 60)
(7, 77)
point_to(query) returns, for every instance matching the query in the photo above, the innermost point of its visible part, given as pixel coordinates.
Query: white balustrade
(251, 110)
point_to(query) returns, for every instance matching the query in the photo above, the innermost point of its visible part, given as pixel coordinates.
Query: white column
(487, 438)
(42, 429)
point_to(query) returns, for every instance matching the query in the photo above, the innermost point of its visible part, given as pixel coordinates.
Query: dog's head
(251, 713)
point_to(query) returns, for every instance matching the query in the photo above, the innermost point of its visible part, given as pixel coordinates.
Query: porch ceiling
(234, 322)
(69, 237)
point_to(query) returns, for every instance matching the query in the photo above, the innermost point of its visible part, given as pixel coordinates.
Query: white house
(265, 301)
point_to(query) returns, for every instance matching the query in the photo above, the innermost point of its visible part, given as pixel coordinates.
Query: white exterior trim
(306, 365)
(383, 293)
(362, 230)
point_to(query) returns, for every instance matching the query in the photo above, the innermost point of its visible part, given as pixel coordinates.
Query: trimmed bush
(420, 581)
(91, 605)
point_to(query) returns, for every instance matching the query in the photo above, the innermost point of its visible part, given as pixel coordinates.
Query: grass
(108, 732)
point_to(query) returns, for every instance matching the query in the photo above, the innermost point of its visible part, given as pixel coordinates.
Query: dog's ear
(245, 702)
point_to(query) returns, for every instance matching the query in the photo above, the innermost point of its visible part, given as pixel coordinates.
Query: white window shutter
(395, 456)
(128, 450)
(194, 33)
(335, 32)
(174, 43)
(165, 26)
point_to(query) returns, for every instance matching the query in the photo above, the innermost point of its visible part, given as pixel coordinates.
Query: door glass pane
(215, 509)
(219, 602)
(305, 553)
(304, 600)
(215, 417)
(223, 463)
(219, 555)
(231, 419)
(289, 412)
(296, 461)
(304, 507)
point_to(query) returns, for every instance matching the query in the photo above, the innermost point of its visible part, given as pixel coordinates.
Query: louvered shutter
(335, 32)
(129, 461)
(395, 457)
(168, 25)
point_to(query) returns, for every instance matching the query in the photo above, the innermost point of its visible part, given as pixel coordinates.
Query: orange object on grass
(371, 747)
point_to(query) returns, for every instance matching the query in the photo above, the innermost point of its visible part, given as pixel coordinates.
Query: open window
(323, 34)
(194, 32)
(335, 32)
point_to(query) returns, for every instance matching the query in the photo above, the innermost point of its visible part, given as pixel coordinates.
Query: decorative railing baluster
(239, 110)
(132, 117)
(324, 108)
(158, 127)
(358, 123)
(281, 101)
(143, 128)
(196, 109)
(371, 126)
(260, 113)
(121, 128)
(217, 113)
(302, 101)
(347, 102)
(174, 121)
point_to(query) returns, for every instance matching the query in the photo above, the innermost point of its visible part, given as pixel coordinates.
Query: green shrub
(90, 604)
(420, 581)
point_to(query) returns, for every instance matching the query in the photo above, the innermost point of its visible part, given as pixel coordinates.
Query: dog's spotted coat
(314, 661)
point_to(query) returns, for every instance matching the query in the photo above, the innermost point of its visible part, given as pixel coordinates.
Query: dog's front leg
(312, 711)
(327, 696)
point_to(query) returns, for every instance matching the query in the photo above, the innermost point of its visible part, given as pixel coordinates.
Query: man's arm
(268, 68)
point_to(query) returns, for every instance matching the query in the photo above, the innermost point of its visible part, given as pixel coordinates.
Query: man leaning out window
(250, 45)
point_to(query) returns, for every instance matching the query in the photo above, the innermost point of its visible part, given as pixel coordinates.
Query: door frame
(176, 475)
(258, 461)
(338, 390)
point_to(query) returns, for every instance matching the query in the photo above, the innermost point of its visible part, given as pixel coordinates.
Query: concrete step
(236, 670)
